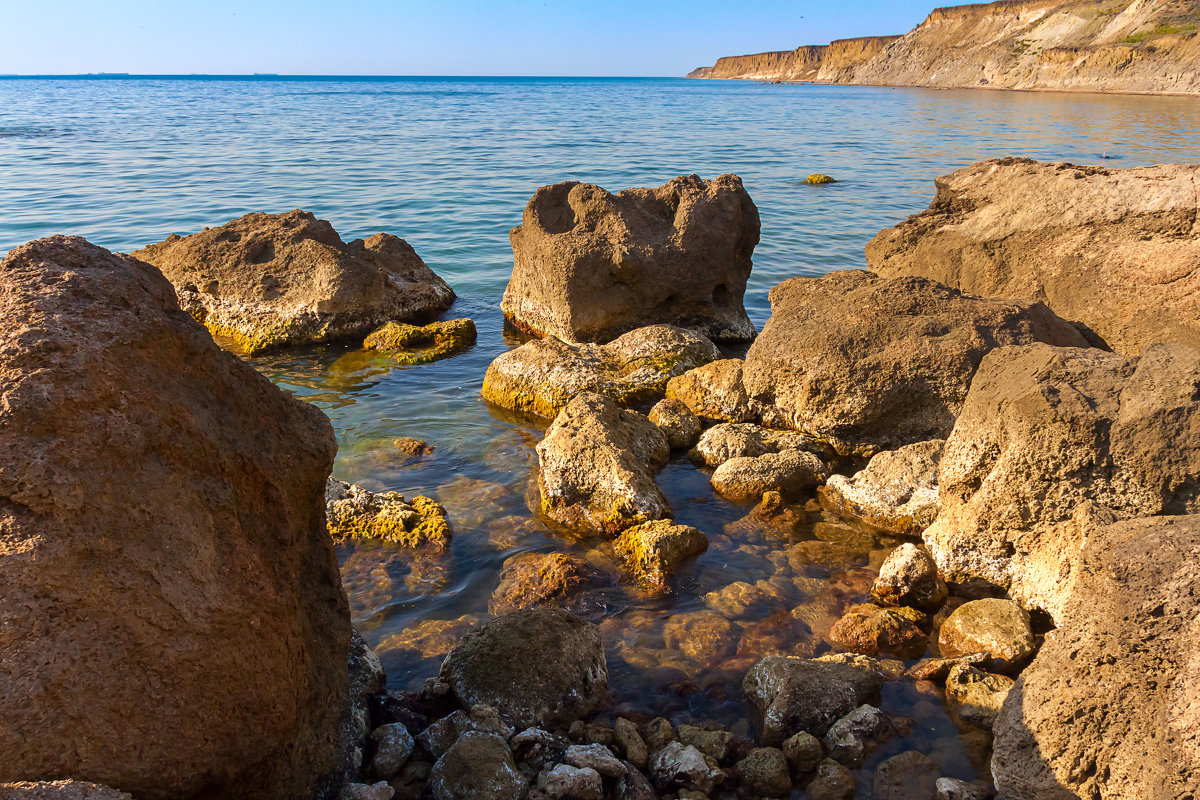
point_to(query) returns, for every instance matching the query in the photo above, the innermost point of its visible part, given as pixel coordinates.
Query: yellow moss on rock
(355, 513)
(817, 178)
(422, 344)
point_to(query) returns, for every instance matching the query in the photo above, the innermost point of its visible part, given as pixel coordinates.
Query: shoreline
(1029, 89)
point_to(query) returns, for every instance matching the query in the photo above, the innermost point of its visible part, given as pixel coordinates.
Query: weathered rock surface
(869, 363)
(537, 666)
(589, 265)
(976, 696)
(897, 492)
(908, 577)
(765, 772)
(729, 440)
(704, 637)
(1114, 249)
(677, 422)
(911, 775)
(654, 550)
(832, 782)
(679, 765)
(801, 694)
(790, 473)
(803, 751)
(422, 344)
(479, 766)
(850, 739)
(868, 629)
(715, 392)
(1053, 442)
(997, 627)
(543, 375)
(357, 513)
(159, 501)
(714, 744)
(1110, 707)
(529, 580)
(596, 467)
(273, 280)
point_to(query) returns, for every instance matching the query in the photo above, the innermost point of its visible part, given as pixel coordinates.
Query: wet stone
(393, 745)
(803, 751)
(714, 744)
(832, 781)
(850, 739)
(765, 771)
(1000, 628)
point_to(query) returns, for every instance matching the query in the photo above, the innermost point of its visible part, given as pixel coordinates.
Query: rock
(832, 782)
(818, 178)
(596, 757)
(430, 638)
(173, 620)
(658, 733)
(975, 695)
(938, 669)
(791, 694)
(1115, 687)
(529, 580)
(571, 783)
(730, 440)
(897, 492)
(538, 666)
(597, 465)
(366, 686)
(276, 280)
(438, 737)
(871, 630)
(714, 744)
(849, 739)
(714, 392)
(681, 765)
(867, 363)
(677, 422)
(393, 746)
(654, 550)
(908, 577)
(765, 771)
(908, 776)
(589, 265)
(357, 513)
(1113, 249)
(367, 791)
(416, 448)
(633, 785)
(478, 766)
(791, 473)
(631, 742)
(424, 344)
(803, 751)
(543, 375)
(997, 627)
(60, 790)
(701, 636)
(1053, 444)
(954, 789)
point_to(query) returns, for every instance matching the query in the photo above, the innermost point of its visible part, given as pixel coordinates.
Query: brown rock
(715, 392)
(908, 577)
(701, 636)
(909, 776)
(171, 619)
(273, 280)
(357, 513)
(654, 550)
(997, 627)
(677, 422)
(976, 696)
(422, 344)
(529, 580)
(897, 492)
(60, 790)
(589, 265)
(790, 473)
(871, 630)
(728, 440)
(790, 695)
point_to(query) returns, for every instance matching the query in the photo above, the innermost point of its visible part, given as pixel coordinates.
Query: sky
(434, 37)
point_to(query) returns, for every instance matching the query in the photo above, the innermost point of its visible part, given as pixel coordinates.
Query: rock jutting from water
(174, 624)
(276, 280)
(589, 265)
(357, 513)
(791, 694)
(654, 550)
(424, 344)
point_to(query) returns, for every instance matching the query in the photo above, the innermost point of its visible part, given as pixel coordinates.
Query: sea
(449, 164)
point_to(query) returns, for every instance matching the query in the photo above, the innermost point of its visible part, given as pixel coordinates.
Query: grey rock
(393, 746)
(367, 791)
(803, 751)
(594, 756)
(680, 765)
(832, 781)
(479, 766)
(566, 782)
(631, 742)
(792, 694)
(765, 771)
(849, 740)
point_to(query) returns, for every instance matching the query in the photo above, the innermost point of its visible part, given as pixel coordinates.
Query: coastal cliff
(1142, 46)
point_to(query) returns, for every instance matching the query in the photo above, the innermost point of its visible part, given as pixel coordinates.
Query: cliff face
(1138, 46)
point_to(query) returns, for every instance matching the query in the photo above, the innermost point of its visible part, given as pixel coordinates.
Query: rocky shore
(967, 479)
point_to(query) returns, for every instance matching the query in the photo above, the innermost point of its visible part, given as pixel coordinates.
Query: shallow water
(449, 164)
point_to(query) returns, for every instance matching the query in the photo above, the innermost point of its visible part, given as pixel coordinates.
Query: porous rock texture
(357, 513)
(272, 280)
(790, 694)
(172, 623)
(715, 392)
(869, 363)
(896, 492)
(1115, 249)
(1054, 442)
(589, 265)
(1110, 706)
(654, 550)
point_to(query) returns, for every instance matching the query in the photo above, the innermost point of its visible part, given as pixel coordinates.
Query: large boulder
(1054, 442)
(589, 265)
(869, 363)
(596, 467)
(172, 623)
(1110, 707)
(1116, 249)
(273, 280)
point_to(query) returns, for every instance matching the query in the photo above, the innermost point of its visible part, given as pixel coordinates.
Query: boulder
(896, 492)
(868, 629)
(172, 623)
(1053, 443)
(1114, 249)
(1110, 707)
(909, 577)
(274, 280)
(790, 473)
(976, 696)
(357, 513)
(589, 265)
(543, 375)
(714, 392)
(791, 694)
(803, 751)
(654, 550)
(730, 440)
(677, 422)
(422, 344)
(954, 789)
(479, 766)
(679, 765)
(596, 467)
(367, 791)
(537, 666)
(529, 580)
(869, 363)
(999, 628)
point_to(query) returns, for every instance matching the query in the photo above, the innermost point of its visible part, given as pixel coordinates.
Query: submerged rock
(790, 694)
(677, 422)
(60, 790)
(912, 775)
(897, 492)
(543, 375)
(790, 473)
(356, 513)
(173, 620)
(275, 280)
(541, 579)
(871, 630)
(589, 265)
(413, 344)
(653, 551)
(703, 637)
(726, 441)
(908, 577)
(997, 627)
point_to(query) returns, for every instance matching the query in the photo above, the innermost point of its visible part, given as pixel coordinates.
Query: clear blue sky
(432, 37)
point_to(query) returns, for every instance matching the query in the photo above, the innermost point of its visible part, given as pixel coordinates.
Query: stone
(596, 467)
(538, 666)
(1000, 628)
(832, 782)
(566, 782)
(1054, 443)
(414, 448)
(393, 746)
(714, 744)
(1113, 249)
(700, 636)
(479, 766)
(430, 638)
(631, 743)
(589, 265)
(658, 733)
(173, 619)
(975, 695)
(803, 751)
(938, 669)
(714, 393)
(790, 473)
(677, 422)
(765, 771)
(909, 577)
(868, 629)
(596, 757)
(60, 790)
(908, 776)
(729, 440)
(367, 791)
(1115, 686)
(897, 491)
(954, 789)
(817, 178)
(868, 364)
(682, 765)
(633, 785)
(653, 551)
(422, 344)
(357, 513)
(541, 376)
(790, 694)
(531, 580)
(538, 747)
(276, 280)
(366, 686)
(439, 736)
(849, 740)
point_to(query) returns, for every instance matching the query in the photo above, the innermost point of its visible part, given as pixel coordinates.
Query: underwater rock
(356, 513)
(896, 492)
(909, 776)
(424, 344)
(703, 637)
(871, 630)
(428, 638)
(654, 550)
(530, 580)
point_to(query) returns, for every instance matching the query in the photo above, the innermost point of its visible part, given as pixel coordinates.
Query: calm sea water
(448, 164)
